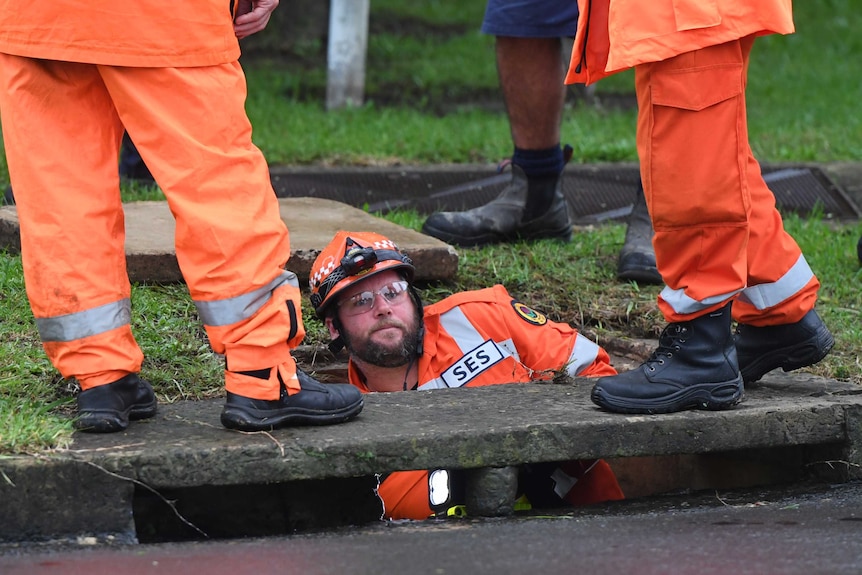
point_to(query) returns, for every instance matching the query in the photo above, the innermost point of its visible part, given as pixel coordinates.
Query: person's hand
(252, 16)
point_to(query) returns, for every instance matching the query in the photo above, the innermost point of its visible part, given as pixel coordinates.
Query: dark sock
(542, 168)
(540, 163)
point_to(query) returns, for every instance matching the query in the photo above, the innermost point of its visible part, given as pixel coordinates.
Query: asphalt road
(788, 530)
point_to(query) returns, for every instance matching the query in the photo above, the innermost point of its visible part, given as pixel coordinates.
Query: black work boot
(316, 404)
(109, 407)
(502, 219)
(637, 257)
(788, 346)
(694, 367)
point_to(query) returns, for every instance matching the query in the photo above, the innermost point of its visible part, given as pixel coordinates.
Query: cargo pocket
(697, 138)
(697, 89)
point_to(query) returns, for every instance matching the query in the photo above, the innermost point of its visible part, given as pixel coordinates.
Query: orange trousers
(62, 125)
(718, 235)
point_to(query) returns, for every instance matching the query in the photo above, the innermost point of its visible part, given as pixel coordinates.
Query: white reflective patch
(764, 296)
(459, 327)
(507, 346)
(438, 487)
(471, 364)
(583, 355)
(232, 310)
(563, 482)
(85, 323)
(683, 304)
(435, 383)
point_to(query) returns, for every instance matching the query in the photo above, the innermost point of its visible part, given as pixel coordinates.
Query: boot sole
(242, 419)
(639, 268)
(110, 421)
(640, 275)
(790, 358)
(709, 396)
(563, 235)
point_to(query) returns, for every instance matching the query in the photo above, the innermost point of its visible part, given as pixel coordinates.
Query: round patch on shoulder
(528, 314)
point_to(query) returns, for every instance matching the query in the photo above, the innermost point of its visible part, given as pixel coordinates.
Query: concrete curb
(804, 421)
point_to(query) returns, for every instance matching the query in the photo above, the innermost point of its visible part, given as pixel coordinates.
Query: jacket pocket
(697, 88)
(694, 14)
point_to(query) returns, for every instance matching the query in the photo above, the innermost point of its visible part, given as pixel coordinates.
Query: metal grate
(594, 193)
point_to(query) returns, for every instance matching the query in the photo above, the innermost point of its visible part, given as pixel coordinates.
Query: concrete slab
(185, 447)
(312, 222)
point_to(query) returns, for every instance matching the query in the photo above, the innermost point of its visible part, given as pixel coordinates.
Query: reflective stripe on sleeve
(79, 325)
(462, 331)
(466, 336)
(235, 309)
(468, 339)
(764, 296)
(435, 383)
(583, 355)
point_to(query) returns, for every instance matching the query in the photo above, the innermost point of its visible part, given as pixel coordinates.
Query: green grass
(424, 90)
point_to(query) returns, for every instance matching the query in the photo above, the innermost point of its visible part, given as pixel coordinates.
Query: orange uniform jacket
(121, 32)
(486, 337)
(614, 35)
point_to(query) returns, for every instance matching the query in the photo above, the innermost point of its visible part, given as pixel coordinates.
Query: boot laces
(669, 342)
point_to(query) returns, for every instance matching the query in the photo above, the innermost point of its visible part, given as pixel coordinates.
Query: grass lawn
(432, 98)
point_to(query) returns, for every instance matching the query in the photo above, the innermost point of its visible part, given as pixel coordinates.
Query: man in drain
(361, 287)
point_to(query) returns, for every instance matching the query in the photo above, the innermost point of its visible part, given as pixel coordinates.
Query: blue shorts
(531, 18)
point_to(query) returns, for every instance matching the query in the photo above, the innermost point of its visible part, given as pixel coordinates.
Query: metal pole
(348, 43)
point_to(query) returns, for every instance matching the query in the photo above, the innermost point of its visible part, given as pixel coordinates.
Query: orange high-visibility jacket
(486, 337)
(614, 35)
(121, 32)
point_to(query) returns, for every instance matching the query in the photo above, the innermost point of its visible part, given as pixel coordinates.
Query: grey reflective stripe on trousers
(79, 325)
(764, 296)
(235, 309)
(761, 296)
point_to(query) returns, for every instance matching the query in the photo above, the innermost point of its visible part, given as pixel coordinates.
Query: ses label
(471, 364)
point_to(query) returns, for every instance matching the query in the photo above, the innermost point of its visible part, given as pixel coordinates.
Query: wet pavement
(794, 529)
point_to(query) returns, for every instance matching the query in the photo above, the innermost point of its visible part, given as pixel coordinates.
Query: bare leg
(531, 77)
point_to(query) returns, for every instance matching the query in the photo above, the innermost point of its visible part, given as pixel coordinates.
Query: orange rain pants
(717, 231)
(62, 125)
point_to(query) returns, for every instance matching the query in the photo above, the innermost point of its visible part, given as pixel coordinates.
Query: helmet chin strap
(407, 373)
(337, 344)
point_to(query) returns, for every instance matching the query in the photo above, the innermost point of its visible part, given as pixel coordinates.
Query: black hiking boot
(316, 404)
(637, 256)
(694, 367)
(502, 219)
(108, 408)
(788, 346)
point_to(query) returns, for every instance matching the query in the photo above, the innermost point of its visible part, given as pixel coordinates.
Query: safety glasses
(392, 293)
